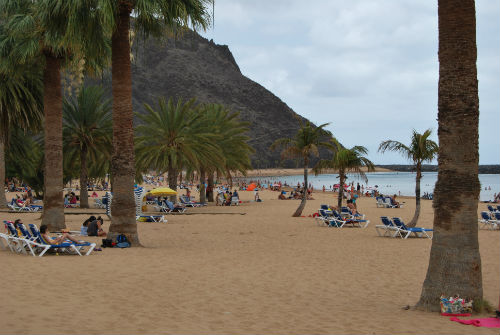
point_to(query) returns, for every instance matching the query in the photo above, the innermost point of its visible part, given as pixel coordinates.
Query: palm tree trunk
(84, 195)
(414, 220)
(341, 189)
(210, 186)
(202, 185)
(122, 162)
(3, 199)
(302, 205)
(53, 203)
(455, 262)
(172, 180)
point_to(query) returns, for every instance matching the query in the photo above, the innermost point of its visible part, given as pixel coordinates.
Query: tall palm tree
(232, 142)
(455, 263)
(173, 135)
(20, 106)
(87, 132)
(49, 32)
(346, 161)
(151, 17)
(24, 157)
(305, 144)
(420, 150)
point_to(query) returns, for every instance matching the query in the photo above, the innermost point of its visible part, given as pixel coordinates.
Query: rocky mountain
(191, 66)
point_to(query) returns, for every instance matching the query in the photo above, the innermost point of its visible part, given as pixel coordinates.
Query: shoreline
(291, 172)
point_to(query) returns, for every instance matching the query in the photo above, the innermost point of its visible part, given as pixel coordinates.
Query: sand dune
(261, 272)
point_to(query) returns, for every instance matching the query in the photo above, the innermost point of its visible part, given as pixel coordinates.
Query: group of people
(70, 199)
(225, 198)
(93, 227)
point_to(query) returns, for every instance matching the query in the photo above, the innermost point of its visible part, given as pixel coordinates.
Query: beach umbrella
(162, 191)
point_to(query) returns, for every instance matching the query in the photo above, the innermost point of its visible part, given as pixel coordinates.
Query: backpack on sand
(122, 242)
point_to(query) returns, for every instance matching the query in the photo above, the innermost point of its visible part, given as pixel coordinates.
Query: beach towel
(487, 322)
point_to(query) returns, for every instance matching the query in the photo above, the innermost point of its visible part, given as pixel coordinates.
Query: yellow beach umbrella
(161, 191)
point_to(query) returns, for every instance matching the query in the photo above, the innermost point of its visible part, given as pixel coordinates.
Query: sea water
(389, 183)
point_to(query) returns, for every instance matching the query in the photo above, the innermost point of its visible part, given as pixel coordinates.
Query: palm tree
(346, 161)
(420, 150)
(455, 263)
(24, 157)
(304, 145)
(232, 142)
(173, 135)
(20, 106)
(87, 132)
(49, 32)
(151, 17)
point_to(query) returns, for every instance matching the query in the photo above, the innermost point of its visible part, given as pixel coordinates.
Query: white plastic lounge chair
(488, 222)
(404, 231)
(353, 221)
(235, 201)
(75, 248)
(388, 228)
(381, 202)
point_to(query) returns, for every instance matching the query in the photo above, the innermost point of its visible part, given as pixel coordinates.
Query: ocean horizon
(388, 183)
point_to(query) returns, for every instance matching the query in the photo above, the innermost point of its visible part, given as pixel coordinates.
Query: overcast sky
(369, 67)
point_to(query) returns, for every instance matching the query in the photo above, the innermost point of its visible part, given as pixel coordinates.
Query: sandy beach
(245, 269)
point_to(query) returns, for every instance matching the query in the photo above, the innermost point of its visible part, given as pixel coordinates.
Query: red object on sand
(456, 314)
(488, 322)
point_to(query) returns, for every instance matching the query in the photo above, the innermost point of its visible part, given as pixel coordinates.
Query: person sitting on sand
(394, 202)
(58, 240)
(94, 228)
(281, 196)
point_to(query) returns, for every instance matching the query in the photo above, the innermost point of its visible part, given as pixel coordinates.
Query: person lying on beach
(58, 240)
(281, 196)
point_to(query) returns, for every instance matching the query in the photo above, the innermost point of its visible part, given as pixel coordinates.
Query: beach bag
(455, 306)
(122, 242)
(107, 243)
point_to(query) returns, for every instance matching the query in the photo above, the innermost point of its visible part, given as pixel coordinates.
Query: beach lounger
(346, 212)
(324, 217)
(353, 221)
(15, 242)
(388, 228)
(235, 201)
(488, 222)
(388, 203)
(188, 203)
(404, 231)
(75, 248)
(381, 203)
